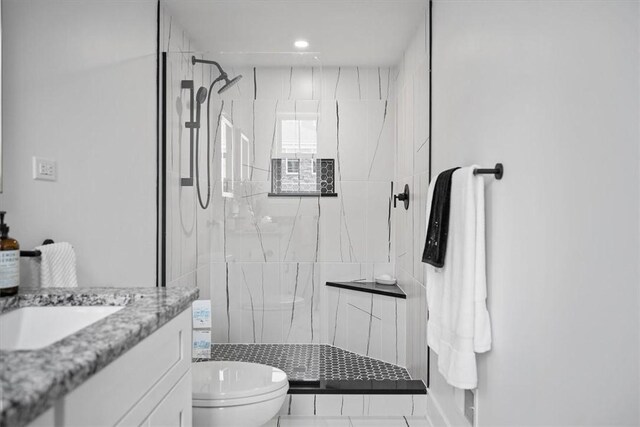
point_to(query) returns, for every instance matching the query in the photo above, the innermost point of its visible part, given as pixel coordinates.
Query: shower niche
(297, 177)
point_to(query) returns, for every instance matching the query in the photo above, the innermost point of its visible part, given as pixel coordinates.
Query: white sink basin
(30, 328)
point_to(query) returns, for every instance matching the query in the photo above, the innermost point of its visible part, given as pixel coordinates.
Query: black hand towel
(435, 246)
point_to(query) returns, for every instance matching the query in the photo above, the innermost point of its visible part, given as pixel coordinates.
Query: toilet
(226, 393)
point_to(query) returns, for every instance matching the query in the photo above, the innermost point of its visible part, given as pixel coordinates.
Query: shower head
(201, 95)
(228, 83)
(223, 75)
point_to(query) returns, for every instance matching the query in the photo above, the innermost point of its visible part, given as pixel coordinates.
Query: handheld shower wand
(200, 98)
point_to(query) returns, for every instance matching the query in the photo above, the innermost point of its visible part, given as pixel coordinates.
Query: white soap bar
(385, 279)
(202, 313)
(201, 343)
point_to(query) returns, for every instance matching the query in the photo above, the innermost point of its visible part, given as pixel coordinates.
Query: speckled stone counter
(31, 380)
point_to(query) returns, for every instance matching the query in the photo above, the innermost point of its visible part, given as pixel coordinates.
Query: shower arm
(195, 61)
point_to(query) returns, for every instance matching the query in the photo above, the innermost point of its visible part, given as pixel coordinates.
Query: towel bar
(497, 171)
(36, 253)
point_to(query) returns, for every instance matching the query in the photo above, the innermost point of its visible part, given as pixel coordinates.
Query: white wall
(551, 90)
(79, 87)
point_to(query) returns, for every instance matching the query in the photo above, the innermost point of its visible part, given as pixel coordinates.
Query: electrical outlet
(44, 169)
(470, 406)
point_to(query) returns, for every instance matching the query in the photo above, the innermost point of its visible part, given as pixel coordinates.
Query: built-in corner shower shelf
(371, 287)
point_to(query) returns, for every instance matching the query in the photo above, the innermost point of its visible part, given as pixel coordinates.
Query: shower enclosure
(275, 187)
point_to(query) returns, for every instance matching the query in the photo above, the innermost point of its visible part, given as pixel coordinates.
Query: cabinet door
(175, 409)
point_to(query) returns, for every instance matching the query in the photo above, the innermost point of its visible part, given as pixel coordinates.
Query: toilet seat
(227, 383)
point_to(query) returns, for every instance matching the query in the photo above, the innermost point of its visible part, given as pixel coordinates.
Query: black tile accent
(371, 287)
(302, 194)
(310, 177)
(358, 387)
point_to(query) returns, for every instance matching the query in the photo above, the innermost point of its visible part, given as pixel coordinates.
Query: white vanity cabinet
(149, 385)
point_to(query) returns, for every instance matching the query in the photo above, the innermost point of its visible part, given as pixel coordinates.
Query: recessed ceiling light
(301, 44)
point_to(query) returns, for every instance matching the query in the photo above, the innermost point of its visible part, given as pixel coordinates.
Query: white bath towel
(58, 266)
(458, 325)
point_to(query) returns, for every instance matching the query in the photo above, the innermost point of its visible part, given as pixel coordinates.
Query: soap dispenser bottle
(9, 261)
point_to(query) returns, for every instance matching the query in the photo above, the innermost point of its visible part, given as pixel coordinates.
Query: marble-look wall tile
(416, 315)
(251, 234)
(352, 142)
(329, 404)
(405, 137)
(390, 405)
(405, 232)
(343, 224)
(301, 83)
(298, 404)
(301, 240)
(202, 281)
(358, 83)
(271, 82)
(388, 421)
(368, 324)
(380, 135)
(421, 118)
(266, 302)
(220, 294)
(379, 222)
(355, 405)
(301, 302)
(419, 207)
(258, 308)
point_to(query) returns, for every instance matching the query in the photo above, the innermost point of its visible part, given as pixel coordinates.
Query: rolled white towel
(58, 266)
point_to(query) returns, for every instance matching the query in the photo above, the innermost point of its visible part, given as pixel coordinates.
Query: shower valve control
(44, 169)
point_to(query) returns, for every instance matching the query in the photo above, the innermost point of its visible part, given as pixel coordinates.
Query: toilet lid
(229, 380)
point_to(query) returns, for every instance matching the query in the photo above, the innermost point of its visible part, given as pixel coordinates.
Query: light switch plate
(44, 169)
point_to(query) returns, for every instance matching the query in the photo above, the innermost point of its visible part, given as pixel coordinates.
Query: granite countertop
(32, 380)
